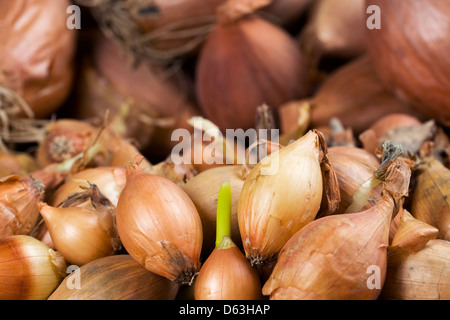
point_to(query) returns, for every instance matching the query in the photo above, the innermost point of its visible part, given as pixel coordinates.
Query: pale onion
(159, 226)
(80, 234)
(281, 195)
(246, 62)
(117, 277)
(409, 53)
(29, 270)
(37, 52)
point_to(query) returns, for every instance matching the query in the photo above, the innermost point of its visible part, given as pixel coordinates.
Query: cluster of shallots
(101, 200)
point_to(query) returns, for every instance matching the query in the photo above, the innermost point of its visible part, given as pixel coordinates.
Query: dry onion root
(310, 265)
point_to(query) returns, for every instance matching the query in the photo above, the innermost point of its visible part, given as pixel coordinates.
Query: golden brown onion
(159, 226)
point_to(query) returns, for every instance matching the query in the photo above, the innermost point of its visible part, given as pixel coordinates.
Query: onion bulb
(37, 52)
(421, 275)
(409, 53)
(341, 256)
(117, 277)
(246, 62)
(19, 212)
(29, 270)
(226, 273)
(431, 197)
(159, 226)
(281, 195)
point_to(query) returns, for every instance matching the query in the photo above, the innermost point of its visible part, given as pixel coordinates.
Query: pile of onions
(353, 95)
(246, 62)
(37, 51)
(409, 53)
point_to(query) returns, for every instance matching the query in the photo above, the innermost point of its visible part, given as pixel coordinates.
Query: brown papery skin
(243, 65)
(409, 53)
(159, 226)
(227, 275)
(354, 95)
(329, 258)
(341, 256)
(431, 197)
(26, 269)
(36, 57)
(423, 275)
(353, 167)
(117, 277)
(109, 180)
(19, 211)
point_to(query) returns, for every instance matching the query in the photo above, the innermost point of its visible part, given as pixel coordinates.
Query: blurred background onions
(37, 52)
(409, 53)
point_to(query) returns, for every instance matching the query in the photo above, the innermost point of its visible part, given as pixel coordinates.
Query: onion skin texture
(267, 68)
(431, 197)
(159, 226)
(36, 57)
(117, 277)
(26, 269)
(411, 62)
(227, 275)
(354, 167)
(422, 275)
(330, 258)
(19, 210)
(17, 163)
(109, 180)
(311, 264)
(268, 218)
(203, 190)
